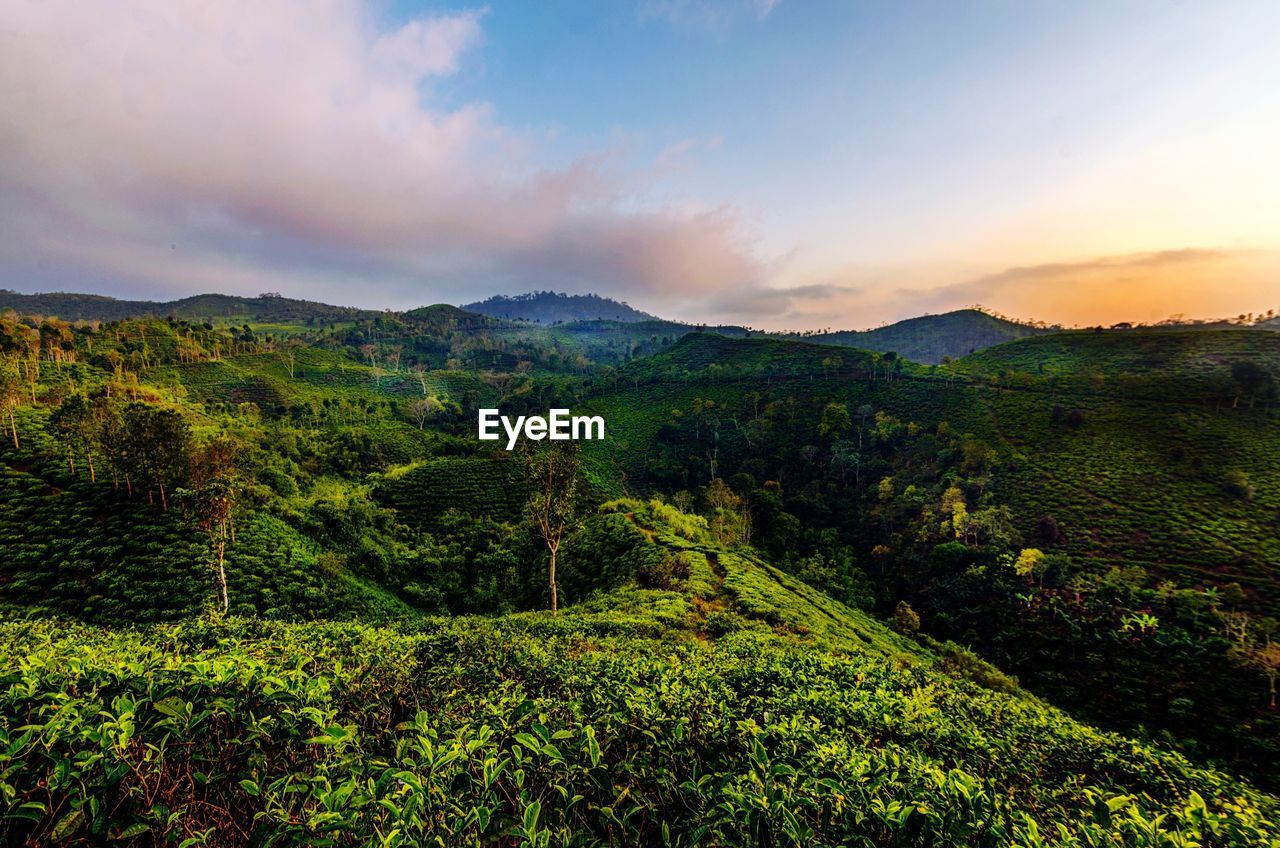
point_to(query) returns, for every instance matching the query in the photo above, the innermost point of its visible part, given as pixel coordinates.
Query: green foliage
(574, 731)
(1091, 511)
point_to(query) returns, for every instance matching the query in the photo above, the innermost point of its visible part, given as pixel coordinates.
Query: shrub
(1237, 483)
(905, 619)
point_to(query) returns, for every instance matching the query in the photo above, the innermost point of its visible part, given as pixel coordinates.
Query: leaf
(135, 829)
(523, 710)
(31, 811)
(529, 741)
(250, 787)
(171, 706)
(1119, 803)
(593, 747)
(68, 825)
(531, 814)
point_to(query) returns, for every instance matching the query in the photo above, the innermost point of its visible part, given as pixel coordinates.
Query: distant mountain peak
(548, 307)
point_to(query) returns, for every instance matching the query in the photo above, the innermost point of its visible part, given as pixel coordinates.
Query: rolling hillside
(931, 338)
(88, 307)
(731, 705)
(1146, 493)
(1094, 513)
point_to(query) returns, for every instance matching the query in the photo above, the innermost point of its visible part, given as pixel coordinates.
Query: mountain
(87, 307)
(555, 308)
(931, 338)
(599, 328)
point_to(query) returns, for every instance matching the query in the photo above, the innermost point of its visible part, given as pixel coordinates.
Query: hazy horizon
(772, 163)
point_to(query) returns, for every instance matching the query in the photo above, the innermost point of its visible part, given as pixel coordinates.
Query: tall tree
(552, 470)
(215, 489)
(158, 442)
(109, 436)
(73, 422)
(10, 393)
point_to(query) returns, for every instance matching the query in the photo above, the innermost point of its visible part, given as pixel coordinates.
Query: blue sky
(777, 163)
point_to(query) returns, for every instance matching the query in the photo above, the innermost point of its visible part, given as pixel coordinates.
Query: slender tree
(215, 489)
(552, 470)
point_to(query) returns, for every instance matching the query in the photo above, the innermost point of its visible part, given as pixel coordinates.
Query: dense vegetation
(555, 308)
(598, 329)
(699, 711)
(262, 585)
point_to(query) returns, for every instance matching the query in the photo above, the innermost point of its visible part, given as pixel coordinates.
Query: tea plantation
(261, 585)
(678, 716)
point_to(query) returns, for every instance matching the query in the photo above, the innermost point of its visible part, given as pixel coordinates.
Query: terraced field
(478, 486)
(1138, 481)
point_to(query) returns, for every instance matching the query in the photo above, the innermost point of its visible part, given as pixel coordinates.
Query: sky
(785, 164)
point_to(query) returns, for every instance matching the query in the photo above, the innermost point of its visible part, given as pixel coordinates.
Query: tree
(727, 517)
(1266, 659)
(1251, 378)
(1030, 563)
(289, 353)
(835, 421)
(552, 470)
(891, 365)
(73, 421)
(215, 489)
(157, 443)
(1048, 531)
(109, 436)
(424, 409)
(905, 619)
(1237, 483)
(420, 372)
(10, 393)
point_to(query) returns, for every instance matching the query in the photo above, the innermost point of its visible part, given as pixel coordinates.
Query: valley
(809, 593)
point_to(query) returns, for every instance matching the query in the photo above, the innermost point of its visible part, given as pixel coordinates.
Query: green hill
(1146, 493)
(698, 713)
(599, 329)
(931, 338)
(264, 308)
(1094, 513)
(1137, 351)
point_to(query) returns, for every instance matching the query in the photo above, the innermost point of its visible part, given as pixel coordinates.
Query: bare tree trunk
(13, 425)
(222, 571)
(554, 609)
(164, 502)
(89, 459)
(71, 460)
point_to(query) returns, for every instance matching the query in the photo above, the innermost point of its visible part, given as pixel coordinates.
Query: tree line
(151, 448)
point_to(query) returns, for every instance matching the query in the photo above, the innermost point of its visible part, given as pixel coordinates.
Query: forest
(957, 581)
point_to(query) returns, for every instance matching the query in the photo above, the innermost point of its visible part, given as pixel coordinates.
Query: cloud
(774, 304)
(712, 16)
(1138, 287)
(164, 147)
(430, 46)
